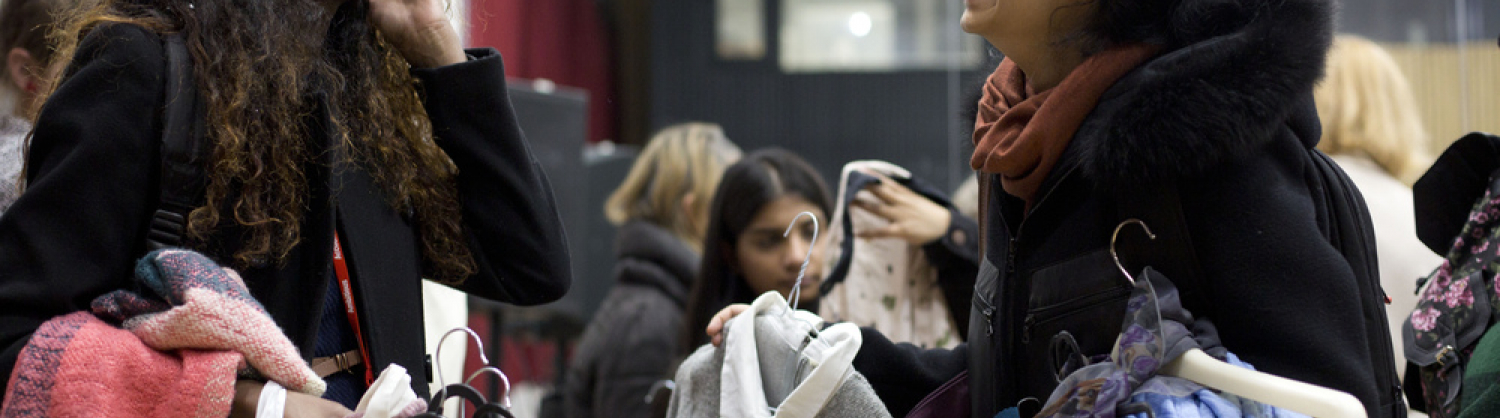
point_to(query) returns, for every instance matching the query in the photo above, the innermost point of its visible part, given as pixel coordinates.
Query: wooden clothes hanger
(1197, 366)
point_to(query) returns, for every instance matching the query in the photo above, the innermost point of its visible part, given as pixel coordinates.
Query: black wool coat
(1229, 120)
(635, 337)
(77, 231)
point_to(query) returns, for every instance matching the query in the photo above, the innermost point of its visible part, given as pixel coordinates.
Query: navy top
(336, 336)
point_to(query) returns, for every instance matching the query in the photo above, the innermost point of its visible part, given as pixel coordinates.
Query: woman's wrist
(246, 398)
(435, 47)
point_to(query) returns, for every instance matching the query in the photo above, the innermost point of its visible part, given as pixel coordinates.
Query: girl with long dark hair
(361, 121)
(744, 252)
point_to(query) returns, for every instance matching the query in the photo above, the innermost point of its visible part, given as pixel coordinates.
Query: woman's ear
(687, 203)
(22, 68)
(697, 223)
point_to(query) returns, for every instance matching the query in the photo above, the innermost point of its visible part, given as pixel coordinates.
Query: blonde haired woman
(1368, 110)
(1372, 129)
(662, 210)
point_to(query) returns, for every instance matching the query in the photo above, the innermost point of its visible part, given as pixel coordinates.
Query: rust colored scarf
(1020, 135)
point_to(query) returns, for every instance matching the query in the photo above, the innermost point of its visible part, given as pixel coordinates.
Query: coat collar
(672, 264)
(1195, 107)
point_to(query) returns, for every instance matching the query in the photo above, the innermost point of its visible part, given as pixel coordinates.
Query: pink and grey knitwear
(179, 345)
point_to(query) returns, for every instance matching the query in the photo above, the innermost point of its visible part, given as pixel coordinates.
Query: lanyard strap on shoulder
(346, 290)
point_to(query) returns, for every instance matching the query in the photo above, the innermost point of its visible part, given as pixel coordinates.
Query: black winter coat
(636, 335)
(1229, 120)
(77, 231)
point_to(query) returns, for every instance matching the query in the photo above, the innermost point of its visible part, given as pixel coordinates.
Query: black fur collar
(1192, 108)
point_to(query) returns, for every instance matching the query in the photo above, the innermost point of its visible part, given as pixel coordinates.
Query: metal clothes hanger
(461, 390)
(493, 409)
(796, 292)
(1116, 236)
(1197, 366)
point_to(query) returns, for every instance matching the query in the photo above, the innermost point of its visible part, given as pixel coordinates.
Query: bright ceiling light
(859, 24)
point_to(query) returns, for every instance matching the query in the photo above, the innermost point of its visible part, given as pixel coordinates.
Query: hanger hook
(438, 353)
(504, 395)
(1116, 235)
(796, 292)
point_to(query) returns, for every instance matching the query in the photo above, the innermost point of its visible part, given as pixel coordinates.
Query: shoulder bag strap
(181, 179)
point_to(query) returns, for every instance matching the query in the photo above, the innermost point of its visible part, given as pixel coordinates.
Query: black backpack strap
(1172, 252)
(181, 179)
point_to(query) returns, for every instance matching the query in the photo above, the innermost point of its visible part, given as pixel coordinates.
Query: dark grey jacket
(635, 336)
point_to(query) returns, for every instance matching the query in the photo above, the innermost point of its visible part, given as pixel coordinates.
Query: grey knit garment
(697, 393)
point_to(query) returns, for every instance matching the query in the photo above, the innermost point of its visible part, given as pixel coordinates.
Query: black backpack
(182, 185)
(1347, 226)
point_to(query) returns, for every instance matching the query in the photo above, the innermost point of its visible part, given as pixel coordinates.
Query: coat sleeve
(956, 256)
(902, 374)
(511, 219)
(75, 232)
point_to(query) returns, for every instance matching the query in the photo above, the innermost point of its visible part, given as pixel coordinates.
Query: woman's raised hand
(419, 30)
(913, 217)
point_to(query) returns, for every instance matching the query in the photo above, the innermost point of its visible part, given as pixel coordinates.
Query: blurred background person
(744, 252)
(661, 209)
(24, 25)
(1372, 129)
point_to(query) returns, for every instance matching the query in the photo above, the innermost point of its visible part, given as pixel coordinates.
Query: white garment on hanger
(830, 357)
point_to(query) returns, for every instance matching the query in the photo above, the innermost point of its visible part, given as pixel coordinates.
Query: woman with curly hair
(357, 122)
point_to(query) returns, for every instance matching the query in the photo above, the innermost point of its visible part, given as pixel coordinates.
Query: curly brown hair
(261, 67)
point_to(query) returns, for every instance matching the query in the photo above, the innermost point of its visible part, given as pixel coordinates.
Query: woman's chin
(967, 23)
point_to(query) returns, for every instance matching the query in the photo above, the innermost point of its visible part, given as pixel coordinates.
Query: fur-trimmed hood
(1195, 107)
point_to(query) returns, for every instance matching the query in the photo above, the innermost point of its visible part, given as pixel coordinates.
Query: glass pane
(874, 35)
(1447, 49)
(741, 29)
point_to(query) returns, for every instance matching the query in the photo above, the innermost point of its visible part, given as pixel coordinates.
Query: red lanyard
(347, 291)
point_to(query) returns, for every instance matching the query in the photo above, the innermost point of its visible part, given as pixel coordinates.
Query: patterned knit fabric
(80, 366)
(176, 353)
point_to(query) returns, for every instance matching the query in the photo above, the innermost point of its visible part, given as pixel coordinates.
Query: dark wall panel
(910, 118)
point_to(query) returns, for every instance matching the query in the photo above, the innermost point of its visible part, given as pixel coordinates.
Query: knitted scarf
(1020, 134)
(180, 343)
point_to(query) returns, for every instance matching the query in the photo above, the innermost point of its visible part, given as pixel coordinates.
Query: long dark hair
(260, 65)
(747, 186)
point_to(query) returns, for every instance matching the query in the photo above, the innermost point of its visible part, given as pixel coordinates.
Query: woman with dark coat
(361, 118)
(662, 208)
(1099, 107)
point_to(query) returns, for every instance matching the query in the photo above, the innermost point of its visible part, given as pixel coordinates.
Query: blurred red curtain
(565, 41)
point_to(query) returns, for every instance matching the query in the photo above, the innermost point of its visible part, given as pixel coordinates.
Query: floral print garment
(1127, 384)
(890, 286)
(1456, 306)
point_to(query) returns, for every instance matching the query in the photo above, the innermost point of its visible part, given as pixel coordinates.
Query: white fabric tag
(272, 403)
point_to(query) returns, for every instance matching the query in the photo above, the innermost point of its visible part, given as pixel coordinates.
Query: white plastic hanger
(1269, 389)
